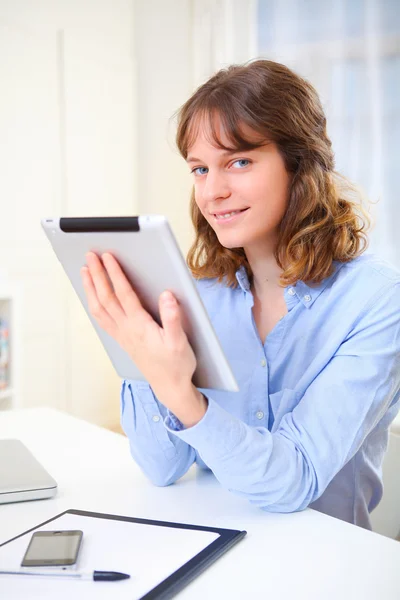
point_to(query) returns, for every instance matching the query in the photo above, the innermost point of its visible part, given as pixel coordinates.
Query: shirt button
(155, 418)
(263, 362)
(307, 298)
(291, 292)
(260, 414)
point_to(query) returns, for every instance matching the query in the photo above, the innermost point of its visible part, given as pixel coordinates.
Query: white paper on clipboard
(148, 553)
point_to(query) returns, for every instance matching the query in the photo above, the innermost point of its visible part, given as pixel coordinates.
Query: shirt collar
(305, 293)
(242, 279)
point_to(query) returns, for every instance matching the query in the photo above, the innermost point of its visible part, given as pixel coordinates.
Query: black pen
(90, 576)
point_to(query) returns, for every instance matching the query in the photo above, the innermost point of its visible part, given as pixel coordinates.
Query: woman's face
(253, 185)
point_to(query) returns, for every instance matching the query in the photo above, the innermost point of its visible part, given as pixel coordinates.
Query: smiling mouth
(229, 215)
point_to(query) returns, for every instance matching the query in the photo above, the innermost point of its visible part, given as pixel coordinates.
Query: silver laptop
(22, 477)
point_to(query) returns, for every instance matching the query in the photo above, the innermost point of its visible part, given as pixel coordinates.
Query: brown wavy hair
(325, 220)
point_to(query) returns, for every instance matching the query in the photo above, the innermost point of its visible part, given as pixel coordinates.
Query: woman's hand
(163, 354)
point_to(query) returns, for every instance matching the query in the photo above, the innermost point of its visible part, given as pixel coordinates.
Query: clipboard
(162, 557)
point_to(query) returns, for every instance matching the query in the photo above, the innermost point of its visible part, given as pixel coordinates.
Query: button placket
(259, 403)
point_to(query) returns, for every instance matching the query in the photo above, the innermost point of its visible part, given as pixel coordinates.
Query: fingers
(96, 309)
(129, 301)
(171, 319)
(104, 292)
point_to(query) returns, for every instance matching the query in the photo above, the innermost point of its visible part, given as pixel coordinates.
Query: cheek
(198, 198)
(273, 190)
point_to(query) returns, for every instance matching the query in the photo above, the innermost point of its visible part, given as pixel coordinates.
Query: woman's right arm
(162, 456)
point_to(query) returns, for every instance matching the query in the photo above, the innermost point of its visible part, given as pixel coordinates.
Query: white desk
(298, 556)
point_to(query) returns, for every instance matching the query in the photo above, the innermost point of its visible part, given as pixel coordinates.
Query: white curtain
(350, 51)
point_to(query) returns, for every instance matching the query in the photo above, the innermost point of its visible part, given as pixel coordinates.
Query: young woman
(310, 324)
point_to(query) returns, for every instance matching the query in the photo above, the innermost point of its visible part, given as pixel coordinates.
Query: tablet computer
(147, 251)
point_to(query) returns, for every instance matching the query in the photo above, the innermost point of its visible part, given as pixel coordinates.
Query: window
(350, 51)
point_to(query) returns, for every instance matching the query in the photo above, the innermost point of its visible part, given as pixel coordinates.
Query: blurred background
(88, 89)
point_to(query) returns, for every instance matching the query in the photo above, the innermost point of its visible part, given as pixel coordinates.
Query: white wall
(29, 188)
(163, 50)
(67, 132)
(88, 89)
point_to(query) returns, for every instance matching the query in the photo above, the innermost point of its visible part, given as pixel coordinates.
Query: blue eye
(242, 162)
(199, 171)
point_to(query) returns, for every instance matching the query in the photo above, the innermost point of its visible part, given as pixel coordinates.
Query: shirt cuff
(217, 433)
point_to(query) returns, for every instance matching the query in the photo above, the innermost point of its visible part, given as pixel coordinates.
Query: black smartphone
(53, 549)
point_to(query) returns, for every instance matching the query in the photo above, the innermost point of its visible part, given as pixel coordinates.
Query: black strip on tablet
(84, 224)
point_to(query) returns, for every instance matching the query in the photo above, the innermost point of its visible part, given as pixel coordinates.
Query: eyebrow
(225, 152)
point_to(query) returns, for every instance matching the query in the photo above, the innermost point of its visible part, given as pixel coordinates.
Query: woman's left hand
(163, 354)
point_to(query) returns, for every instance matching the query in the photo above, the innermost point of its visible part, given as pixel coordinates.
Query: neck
(266, 271)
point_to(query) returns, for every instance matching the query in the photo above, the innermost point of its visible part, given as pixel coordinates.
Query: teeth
(227, 214)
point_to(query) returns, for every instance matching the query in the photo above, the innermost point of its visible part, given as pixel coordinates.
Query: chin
(232, 241)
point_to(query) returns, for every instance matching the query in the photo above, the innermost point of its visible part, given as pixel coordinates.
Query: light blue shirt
(309, 426)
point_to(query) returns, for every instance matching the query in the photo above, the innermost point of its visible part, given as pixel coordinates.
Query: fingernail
(168, 298)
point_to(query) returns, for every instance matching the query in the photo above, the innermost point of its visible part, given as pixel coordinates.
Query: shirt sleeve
(288, 469)
(163, 457)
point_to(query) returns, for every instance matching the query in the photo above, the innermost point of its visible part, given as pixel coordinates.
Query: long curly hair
(325, 220)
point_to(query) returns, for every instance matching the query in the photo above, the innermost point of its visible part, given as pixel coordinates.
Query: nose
(216, 186)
